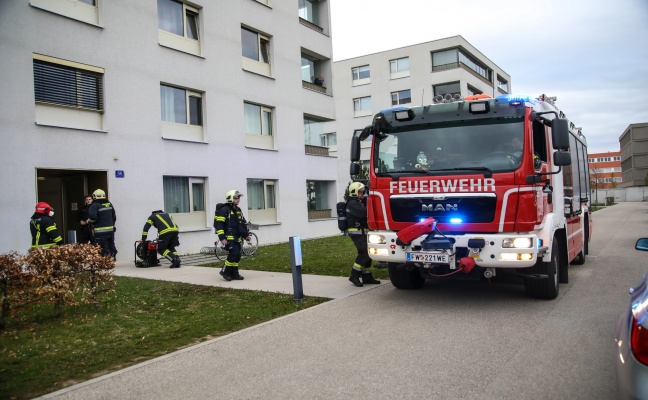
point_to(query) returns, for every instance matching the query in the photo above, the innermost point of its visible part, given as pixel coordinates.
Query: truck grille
(469, 209)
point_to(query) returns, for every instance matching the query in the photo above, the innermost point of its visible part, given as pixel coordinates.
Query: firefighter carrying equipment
(355, 188)
(167, 235)
(231, 195)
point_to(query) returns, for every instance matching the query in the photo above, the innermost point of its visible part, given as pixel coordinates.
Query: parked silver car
(632, 338)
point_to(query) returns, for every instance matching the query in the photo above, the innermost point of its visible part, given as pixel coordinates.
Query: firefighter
(356, 212)
(43, 229)
(101, 214)
(87, 235)
(231, 228)
(167, 235)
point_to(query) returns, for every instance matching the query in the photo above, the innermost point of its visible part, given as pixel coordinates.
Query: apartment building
(411, 75)
(634, 155)
(166, 104)
(605, 169)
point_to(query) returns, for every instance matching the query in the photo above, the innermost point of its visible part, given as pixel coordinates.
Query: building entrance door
(64, 190)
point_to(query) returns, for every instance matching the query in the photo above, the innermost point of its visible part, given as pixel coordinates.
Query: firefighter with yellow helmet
(231, 228)
(101, 214)
(356, 213)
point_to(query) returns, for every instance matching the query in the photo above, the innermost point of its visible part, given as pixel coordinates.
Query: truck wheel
(546, 288)
(580, 258)
(402, 278)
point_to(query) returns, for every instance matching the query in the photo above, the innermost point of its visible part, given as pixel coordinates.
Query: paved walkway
(334, 287)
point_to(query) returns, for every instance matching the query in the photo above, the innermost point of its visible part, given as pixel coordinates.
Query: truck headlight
(377, 239)
(378, 252)
(517, 243)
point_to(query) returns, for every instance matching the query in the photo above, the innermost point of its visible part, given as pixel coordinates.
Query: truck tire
(402, 278)
(546, 288)
(580, 258)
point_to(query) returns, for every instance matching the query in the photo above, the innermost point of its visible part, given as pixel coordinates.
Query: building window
(181, 106)
(328, 139)
(256, 51)
(258, 119)
(452, 58)
(181, 112)
(258, 126)
(68, 94)
(502, 84)
(69, 86)
(308, 10)
(473, 91)
(399, 68)
(318, 199)
(262, 200)
(80, 10)
(362, 106)
(178, 26)
(361, 75)
(447, 88)
(313, 130)
(184, 197)
(402, 97)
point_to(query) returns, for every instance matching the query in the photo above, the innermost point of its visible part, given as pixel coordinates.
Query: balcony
(319, 214)
(310, 25)
(312, 86)
(317, 150)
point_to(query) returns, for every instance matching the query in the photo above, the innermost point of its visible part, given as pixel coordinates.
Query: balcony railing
(319, 214)
(312, 86)
(311, 25)
(317, 150)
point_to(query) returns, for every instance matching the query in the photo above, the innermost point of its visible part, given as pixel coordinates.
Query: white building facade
(166, 105)
(411, 75)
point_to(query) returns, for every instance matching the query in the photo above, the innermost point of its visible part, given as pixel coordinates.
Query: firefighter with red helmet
(101, 214)
(231, 228)
(356, 213)
(43, 228)
(167, 235)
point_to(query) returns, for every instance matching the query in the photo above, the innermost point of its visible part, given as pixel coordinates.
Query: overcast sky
(591, 54)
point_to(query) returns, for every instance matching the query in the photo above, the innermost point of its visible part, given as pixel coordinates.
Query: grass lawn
(332, 256)
(145, 319)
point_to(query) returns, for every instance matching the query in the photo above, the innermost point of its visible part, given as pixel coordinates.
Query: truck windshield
(495, 145)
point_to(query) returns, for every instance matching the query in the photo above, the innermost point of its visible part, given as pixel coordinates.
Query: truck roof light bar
(514, 100)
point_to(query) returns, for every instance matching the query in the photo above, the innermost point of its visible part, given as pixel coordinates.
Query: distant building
(605, 169)
(409, 76)
(634, 155)
(166, 104)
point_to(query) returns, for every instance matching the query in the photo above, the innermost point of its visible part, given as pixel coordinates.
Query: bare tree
(595, 179)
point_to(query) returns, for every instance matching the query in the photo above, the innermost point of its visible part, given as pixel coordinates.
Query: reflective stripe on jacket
(43, 231)
(162, 222)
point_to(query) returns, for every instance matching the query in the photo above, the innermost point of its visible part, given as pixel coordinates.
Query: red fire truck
(474, 187)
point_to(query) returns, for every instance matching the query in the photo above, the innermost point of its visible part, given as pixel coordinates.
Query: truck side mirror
(355, 146)
(560, 134)
(561, 158)
(355, 169)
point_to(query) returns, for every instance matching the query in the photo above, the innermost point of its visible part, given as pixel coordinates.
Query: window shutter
(68, 86)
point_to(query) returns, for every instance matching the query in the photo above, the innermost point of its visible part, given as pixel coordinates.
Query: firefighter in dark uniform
(87, 235)
(167, 235)
(231, 228)
(43, 229)
(101, 214)
(356, 212)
